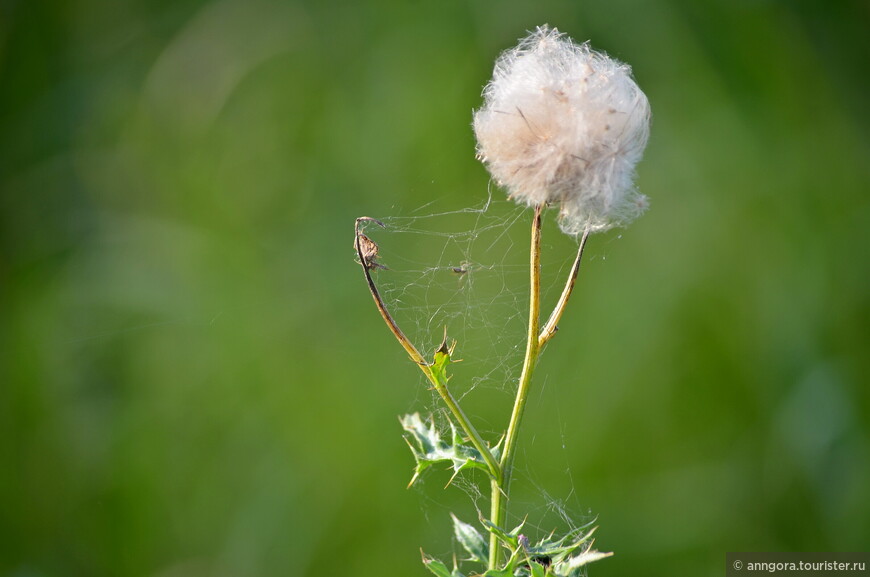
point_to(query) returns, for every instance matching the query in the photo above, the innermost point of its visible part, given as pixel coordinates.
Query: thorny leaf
(552, 556)
(531, 569)
(429, 448)
(498, 573)
(536, 569)
(558, 547)
(442, 359)
(511, 539)
(563, 556)
(573, 566)
(439, 568)
(471, 540)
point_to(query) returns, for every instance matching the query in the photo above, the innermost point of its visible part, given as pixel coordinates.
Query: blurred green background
(194, 381)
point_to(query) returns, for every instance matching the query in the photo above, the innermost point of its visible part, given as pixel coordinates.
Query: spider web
(467, 270)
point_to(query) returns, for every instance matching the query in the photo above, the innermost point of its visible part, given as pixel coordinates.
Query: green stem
(501, 491)
(465, 424)
(367, 262)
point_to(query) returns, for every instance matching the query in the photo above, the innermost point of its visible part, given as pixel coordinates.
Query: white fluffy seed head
(564, 124)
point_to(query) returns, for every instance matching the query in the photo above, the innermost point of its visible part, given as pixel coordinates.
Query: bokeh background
(193, 379)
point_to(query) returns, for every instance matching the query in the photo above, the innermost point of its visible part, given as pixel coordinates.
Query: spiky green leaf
(558, 548)
(437, 567)
(573, 566)
(441, 359)
(508, 539)
(498, 573)
(440, 569)
(429, 448)
(471, 540)
(537, 570)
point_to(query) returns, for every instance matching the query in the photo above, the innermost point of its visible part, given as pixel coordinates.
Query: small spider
(369, 251)
(366, 248)
(462, 269)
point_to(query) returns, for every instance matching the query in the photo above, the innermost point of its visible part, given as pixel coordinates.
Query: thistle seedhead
(565, 125)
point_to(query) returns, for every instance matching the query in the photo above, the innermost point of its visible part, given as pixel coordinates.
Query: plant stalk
(501, 491)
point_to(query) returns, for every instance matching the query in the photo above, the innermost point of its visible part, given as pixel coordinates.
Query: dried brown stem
(552, 324)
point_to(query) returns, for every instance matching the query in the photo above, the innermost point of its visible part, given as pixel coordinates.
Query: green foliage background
(193, 380)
